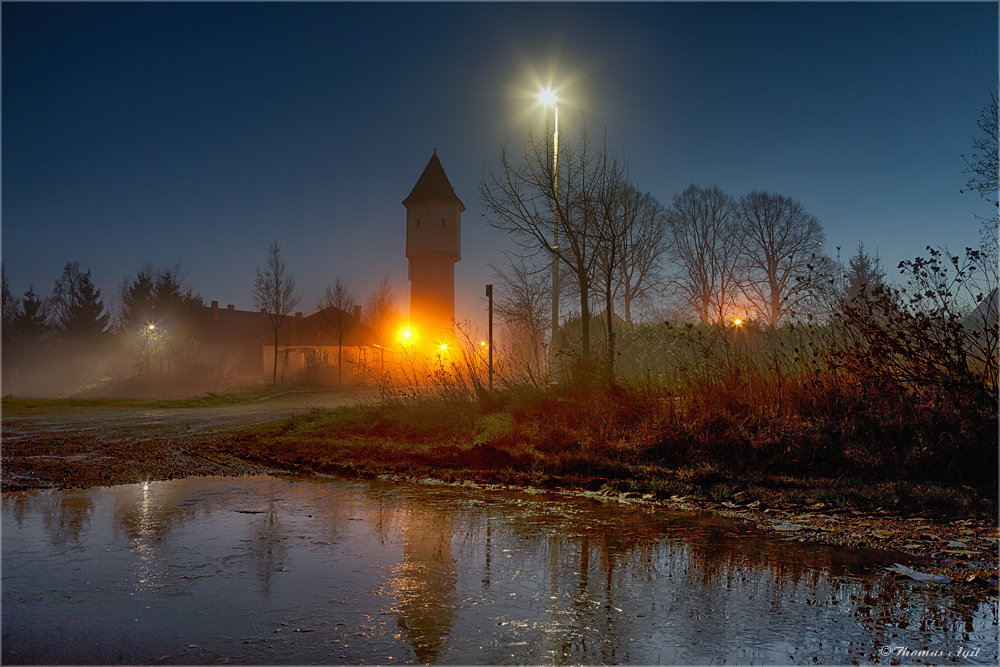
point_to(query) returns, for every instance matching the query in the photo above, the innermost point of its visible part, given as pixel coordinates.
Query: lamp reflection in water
(424, 583)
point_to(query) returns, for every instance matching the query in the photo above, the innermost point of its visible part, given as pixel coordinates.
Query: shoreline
(964, 550)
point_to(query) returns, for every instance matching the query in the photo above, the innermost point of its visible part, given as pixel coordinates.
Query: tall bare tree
(381, 316)
(337, 319)
(780, 247)
(645, 242)
(705, 244)
(521, 199)
(274, 292)
(523, 297)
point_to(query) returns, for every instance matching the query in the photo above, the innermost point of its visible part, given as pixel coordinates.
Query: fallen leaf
(787, 527)
(922, 577)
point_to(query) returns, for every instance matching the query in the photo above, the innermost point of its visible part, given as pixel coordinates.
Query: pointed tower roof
(433, 185)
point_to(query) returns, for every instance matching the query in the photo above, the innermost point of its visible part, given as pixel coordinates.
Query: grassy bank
(720, 442)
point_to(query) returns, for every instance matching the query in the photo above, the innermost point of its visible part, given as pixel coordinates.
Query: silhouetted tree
(864, 275)
(982, 167)
(274, 292)
(645, 239)
(137, 301)
(31, 323)
(156, 303)
(631, 239)
(381, 316)
(704, 225)
(522, 195)
(337, 319)
(983, 163)
(522, 299)
(9, 304)
(77, 305)
(779, 249)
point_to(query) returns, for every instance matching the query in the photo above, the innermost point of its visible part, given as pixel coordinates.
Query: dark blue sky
(198, 132)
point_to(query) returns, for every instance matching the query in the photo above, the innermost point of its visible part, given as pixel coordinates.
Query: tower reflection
(424, 583)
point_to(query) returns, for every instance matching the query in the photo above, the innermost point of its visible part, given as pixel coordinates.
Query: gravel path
(82, 447)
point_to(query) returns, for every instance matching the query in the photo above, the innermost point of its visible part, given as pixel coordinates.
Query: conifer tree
(77, 304)
(864, 275)
(31, 323)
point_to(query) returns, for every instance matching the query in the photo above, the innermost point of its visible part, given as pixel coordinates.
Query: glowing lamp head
(482, 343)
(152, 327)
(547, 97)
(443, 347)
(407, 334)
(737, 321)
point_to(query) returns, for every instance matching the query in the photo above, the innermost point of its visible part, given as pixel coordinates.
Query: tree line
(711, 255)
(622, 248)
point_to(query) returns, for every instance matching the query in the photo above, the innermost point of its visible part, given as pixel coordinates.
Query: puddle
(269, 570)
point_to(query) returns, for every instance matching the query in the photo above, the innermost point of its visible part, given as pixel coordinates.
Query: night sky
(198, 132)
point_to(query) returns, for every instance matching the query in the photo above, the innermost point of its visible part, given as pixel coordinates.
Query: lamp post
(489, 294)
(548, 97)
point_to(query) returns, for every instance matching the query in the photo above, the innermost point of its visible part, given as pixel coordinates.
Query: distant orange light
(406, 334)
(483, 343)
(444, 347)
(737, 321)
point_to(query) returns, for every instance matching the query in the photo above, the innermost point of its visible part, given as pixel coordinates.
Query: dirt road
(80, 447)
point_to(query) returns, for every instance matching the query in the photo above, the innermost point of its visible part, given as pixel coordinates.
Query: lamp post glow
(548, 97)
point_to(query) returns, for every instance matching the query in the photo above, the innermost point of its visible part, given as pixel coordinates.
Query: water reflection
(270, 570)
(424, 583)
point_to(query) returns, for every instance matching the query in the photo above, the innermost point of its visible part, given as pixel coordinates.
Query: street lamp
(548, 97)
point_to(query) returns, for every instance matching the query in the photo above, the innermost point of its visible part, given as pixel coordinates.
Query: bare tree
(982, 165)
(645, 241)
(274, 293)
(11, 306)
(523, 297)
(381, 316)
(704, 231)
(780, 244)
(521, 199)
(337, 319)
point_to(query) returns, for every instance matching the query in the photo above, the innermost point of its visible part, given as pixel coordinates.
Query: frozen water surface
(269, 570)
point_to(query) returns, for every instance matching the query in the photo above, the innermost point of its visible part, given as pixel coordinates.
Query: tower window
(442, 222)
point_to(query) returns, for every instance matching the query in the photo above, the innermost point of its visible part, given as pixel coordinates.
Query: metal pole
(489, 293)
(554, 344)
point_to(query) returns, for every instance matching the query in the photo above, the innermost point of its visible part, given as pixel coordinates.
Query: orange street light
(737, 322)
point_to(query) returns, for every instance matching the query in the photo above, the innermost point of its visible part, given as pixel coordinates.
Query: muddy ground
(84, 448)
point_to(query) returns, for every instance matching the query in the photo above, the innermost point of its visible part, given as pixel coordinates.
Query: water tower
(433, 245)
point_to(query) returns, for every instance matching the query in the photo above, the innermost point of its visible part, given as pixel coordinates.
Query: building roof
(313, 331)
(433, 185)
